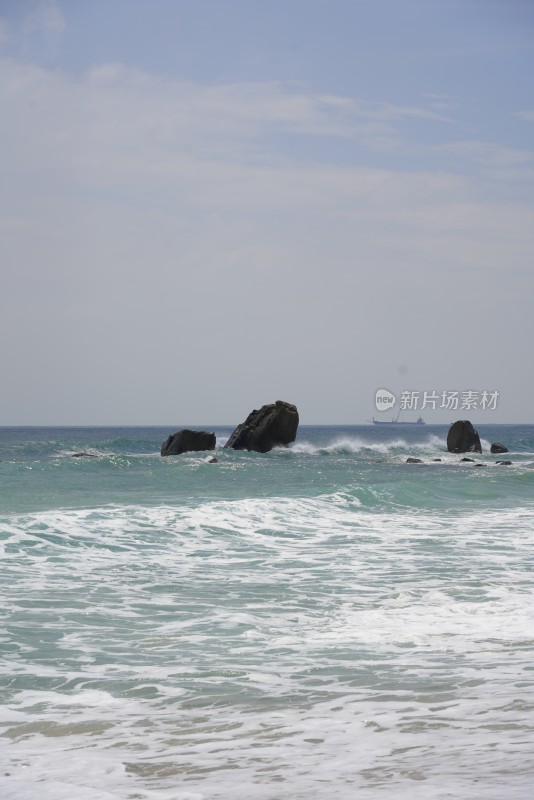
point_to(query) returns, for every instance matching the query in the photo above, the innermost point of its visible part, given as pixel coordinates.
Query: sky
(208, 205)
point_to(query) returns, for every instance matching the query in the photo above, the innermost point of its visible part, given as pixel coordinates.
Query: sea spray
(320, 619)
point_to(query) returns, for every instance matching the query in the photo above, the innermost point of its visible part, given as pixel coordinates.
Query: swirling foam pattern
(325, 620)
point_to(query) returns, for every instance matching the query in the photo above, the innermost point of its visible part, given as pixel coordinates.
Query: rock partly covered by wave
(271, 425)
(497, 447)
(186, 440)
(463, 438)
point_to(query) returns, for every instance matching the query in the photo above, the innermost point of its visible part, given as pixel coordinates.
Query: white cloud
(527, 115)
(288, 106)
(45, 21)
(122, 130)
(148, 217)
(118, 124)
(488, 153)
(46, 17)
(207, 149)
(391, 112)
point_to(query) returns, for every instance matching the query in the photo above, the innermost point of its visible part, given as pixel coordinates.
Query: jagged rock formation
(186, 440)
(273, 424)
(463, 438)
(497, 447)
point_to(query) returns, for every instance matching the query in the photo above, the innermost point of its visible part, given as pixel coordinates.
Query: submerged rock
(436, 459)
(468, 459)
(497, 447)
(83, 455)
(463, 438)
(504, 463)
(211, 460)
(412, 460)
(186, 441)
(273, 424)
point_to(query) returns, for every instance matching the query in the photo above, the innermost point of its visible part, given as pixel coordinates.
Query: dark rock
(497, 447)
(463, 438)
(480, 465)
(185, 441)
(412, 460)
(273, 424)
(436, 459)
(504, 463)
(468, 459)
(83, 455)
(211, 460)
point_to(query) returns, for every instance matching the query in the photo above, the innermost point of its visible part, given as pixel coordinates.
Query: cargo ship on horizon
(397, 421)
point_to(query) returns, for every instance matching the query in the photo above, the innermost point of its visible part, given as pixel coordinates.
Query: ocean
(323, 620)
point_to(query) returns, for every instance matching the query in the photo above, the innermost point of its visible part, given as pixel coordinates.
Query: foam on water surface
(364, 631)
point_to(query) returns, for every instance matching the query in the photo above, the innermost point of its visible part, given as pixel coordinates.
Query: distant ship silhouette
(397, 421)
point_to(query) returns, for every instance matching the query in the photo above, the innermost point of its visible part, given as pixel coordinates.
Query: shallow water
(321, 619)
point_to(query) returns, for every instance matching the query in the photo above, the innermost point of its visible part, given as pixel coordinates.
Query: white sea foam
(268, 647)
(353, 444)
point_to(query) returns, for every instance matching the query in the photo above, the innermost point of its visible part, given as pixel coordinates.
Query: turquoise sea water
(320, 620)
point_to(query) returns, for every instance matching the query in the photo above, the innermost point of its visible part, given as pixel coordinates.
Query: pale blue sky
(207, 206)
